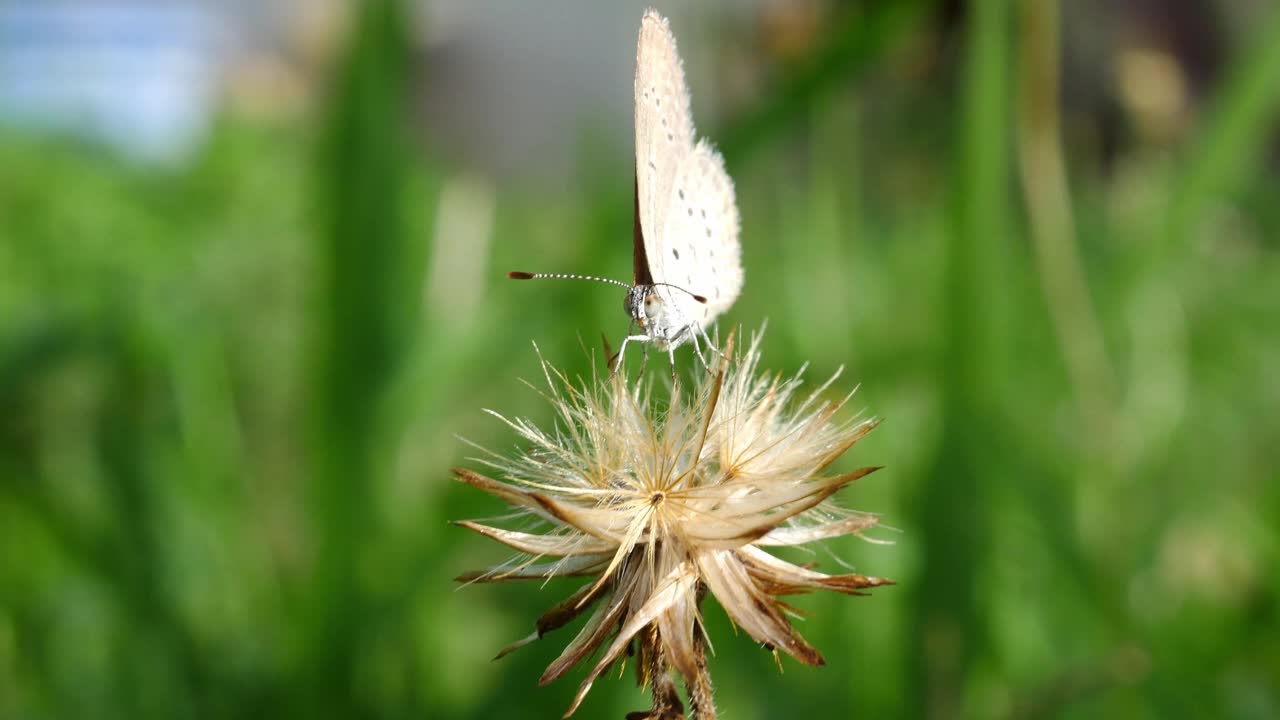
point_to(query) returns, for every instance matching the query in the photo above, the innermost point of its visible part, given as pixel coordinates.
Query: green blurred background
(1044, 237)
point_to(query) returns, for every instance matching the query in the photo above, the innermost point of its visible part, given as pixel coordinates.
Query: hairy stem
(701, 701)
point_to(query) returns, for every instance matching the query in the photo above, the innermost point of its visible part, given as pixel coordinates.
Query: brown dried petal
(766, 509)
(591, 635)
(675, 587)
(512, 496)
(762, 565)
(535, 544)
(527, 570)
(750, 608)
(607, 523)
(802, 535)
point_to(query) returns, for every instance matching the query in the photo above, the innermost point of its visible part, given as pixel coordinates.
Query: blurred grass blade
(952, 517)
(857, 38)
(362, 314)
(1242, 119)
(1049, 215)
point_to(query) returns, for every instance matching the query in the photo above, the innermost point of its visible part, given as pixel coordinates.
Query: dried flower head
(659, 503)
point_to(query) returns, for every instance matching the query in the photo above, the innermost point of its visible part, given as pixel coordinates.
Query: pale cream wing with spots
(697, 248)
(664, 126)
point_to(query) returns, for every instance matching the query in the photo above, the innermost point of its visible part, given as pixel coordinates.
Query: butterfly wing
(697, 248)
(664, 129)
(639, 260)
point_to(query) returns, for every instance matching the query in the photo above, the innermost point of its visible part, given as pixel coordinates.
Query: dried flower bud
(658, 503)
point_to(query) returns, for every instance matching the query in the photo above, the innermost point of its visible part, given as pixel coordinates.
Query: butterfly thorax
(659, 318)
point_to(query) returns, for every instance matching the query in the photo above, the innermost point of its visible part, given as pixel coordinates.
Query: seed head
(657, 501)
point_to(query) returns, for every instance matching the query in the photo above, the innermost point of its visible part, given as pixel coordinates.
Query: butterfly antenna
(517, 275)
(563, 276)
(691, 294)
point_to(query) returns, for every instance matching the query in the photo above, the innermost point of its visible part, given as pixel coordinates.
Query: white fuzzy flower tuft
(658, 503)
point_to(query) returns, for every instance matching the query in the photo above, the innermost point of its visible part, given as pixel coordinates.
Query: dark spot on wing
(708, 231)
(675, 253)
(711, 252)
(680, 193)
(652, 166)
(690, 212)
(704, 213)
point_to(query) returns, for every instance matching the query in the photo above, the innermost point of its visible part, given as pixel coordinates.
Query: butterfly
(686, 254)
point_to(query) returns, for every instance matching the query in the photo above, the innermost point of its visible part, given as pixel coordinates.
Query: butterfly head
(639, 304)
(658, 316)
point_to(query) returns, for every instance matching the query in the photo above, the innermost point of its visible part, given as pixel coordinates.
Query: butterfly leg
(693, 336)
(617, 359)
(612, 359)
(710, 345)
